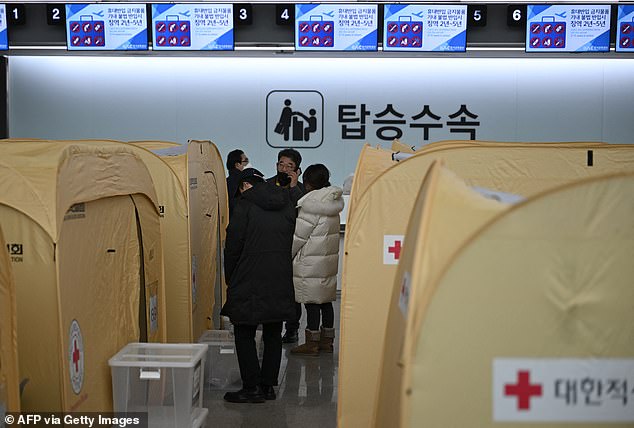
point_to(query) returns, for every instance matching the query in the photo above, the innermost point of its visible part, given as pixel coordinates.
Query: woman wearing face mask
(316, 258)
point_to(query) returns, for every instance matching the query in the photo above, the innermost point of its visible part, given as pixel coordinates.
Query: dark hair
(317, 176)
(234, 157)
(292, 154)
(249, 175)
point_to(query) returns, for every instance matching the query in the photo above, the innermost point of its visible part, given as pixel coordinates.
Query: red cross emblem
(523, 390)
(76, 355)
(396, 249)
(392, 245)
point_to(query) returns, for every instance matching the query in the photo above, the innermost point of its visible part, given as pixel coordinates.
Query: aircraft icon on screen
(330, 14)
(562, 14)
(418, 14)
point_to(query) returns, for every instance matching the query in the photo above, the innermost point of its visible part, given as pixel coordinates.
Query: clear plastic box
(164, 380)
(222, 369)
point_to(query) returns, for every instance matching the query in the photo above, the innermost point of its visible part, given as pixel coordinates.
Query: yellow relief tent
(174, 154)
(197, 165)
(374, 236)
(173, 203)
(89, 274)
(532, 310)
(210, 206)
(372, 162)
(445, 214)
(9, 377)
(398, 146)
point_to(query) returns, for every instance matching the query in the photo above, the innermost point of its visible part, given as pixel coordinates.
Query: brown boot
(311, 347)
(327, 337)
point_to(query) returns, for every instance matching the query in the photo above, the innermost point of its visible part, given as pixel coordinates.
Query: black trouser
(315, 311)
(294, 324)
(250, 371)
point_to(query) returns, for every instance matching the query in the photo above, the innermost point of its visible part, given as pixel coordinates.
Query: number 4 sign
(285, 14)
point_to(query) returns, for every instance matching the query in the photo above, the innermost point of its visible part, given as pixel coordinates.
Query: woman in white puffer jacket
(316, 258)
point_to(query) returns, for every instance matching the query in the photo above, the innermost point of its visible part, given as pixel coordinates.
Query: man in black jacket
(288, 172)
(258, 272)
(236, 162)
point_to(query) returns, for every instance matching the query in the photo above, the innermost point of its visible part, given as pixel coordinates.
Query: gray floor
(306, 396)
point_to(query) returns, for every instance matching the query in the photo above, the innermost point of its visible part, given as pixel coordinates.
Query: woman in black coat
(259, 276)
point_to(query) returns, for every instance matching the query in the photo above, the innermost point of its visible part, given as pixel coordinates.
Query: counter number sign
(16, 14)
(55, 14)
(516, 15)
(284, 14)
(477, 15)
(243, 14)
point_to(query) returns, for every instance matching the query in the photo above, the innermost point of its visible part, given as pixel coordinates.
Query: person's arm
(234, 242)
(299, 113)
(295, 192)
(304, 227)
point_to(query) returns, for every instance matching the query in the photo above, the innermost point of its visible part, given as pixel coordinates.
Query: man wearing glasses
(236, 162)
(288, 172)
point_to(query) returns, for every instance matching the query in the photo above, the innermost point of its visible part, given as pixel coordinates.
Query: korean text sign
(563, 390)
(568, 28)
(119, 26)
(192, 27)
(425, 28)
(336, 27)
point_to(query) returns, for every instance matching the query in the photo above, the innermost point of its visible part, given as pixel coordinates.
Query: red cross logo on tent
(76, 356)
(392, 245)
(524, 390)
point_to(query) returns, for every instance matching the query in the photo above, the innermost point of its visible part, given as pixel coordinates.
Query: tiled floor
(306, 396)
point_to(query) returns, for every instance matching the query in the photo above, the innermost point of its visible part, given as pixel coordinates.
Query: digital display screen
(336, 27)
(625, 28)
(201, 27)
(425, 28)
(568, 28)
(106, 26)
(4, 39)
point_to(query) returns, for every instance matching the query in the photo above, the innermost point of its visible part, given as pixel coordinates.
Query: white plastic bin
(222, 369)
(226, 324)
(221, 365)
(164, 380)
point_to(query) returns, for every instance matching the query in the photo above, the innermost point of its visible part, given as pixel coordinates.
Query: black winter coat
(295, 193)
(258, 264)
(232, 186)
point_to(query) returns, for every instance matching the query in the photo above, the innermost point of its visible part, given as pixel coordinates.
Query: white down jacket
(316, 246)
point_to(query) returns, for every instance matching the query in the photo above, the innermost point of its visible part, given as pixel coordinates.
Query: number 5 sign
(477, 15)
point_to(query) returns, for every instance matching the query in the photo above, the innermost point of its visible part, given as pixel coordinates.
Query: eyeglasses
(246, 161)
(285, 166)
